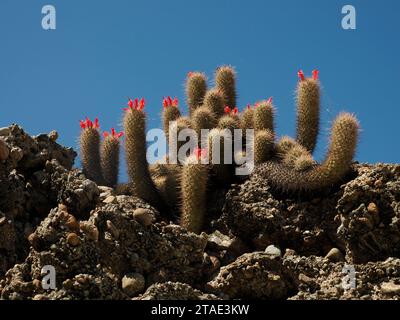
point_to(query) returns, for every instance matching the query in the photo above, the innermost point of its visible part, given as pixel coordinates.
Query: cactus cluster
(100, 159)
(183, 179)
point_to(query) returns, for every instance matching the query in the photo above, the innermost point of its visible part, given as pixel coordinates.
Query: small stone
(105, 189)
(5, 131)
(378, 183)
(390, 288)
(144, 216)
(33, 240)
(3, 220)
(113, 230)
(273, 251)
(109, 199)
(73, 239)
(37, 284)
(90, 230)
(334, 255)
(53, 135)
(4, 151)
(372, 208)
(16, 154)
(72, 223)
(133, 284)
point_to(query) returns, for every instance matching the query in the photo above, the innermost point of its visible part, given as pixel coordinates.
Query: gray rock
(273, 251)
(334, 255)
(133, 284)
(5, 131)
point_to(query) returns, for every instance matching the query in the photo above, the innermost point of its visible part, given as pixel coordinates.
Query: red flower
(87, 123)
(269, 100)
(114, 134)
(190, 73)
(135, 104)
(301, 75)
(169, 102)
(199, 153)
(315, 74)
(248, 106)
(227, 109)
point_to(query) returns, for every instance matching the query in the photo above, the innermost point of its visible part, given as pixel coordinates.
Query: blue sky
(104, 51)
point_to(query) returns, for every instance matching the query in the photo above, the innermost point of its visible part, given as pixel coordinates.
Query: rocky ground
(258, 242)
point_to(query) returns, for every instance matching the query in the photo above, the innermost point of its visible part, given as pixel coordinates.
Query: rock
(144, 216)
(72, 224)
(5, 131)
(334, 255)
(133, 284)
(73, 239)
(53, 135)
(4, 151)
(273, 251)
(90, 230)
(109, 199)
(174, 291)
(390, 288)
(252, 276)
(16, 154)
(113, 230)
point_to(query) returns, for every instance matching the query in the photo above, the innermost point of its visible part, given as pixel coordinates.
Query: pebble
(72, 223)
(143, 216)
(334, 255)
(73, 239)
(390, 288)
(133, 284)
(4, 151)
(16, 154)
(273, 251)
(33, 240)
(3, 220)
(90, 230)
(113, 230)
(109, 199)
(5, 131)
(53, 135)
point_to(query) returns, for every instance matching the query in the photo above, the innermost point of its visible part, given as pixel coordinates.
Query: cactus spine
(225, 81)
(193, 188)
(308, 109)
(90, 150)
(214, 101)
(110, 157)
(196, 87)
(135, 152)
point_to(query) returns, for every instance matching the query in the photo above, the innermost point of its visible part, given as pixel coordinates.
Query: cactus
(263, 146)
(225, 81)
(90, 150)
(193, 188)
(110, 157)
(170, 113)
(196, 87)
(220, 142)
(214, 101)
(135, 153)
(288, 164)
(308, 100)
(292, 168)
(264, 116)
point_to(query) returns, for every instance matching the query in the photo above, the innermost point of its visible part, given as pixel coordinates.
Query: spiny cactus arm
(344, 137)
(263, 146)
(246, 120)
(230, 120)
(202, 118)
(264, 112)
(110, 157)
(196, 87)
(193, 188)
(174, 144)
(90, 150)
(308, 110)
(298, 158)
(135, 152)
(170, 113)
(225, 81)
(215, 102)
(220, 149)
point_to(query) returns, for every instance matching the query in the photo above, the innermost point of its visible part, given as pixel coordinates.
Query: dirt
(343, 243)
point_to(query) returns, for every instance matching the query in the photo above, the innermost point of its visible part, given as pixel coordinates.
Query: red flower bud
(301, 75)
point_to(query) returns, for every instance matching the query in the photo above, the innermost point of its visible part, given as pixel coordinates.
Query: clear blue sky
(104, 51)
